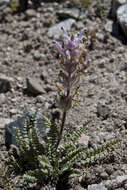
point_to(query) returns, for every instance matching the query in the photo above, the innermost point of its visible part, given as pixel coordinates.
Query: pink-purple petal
(59, 47)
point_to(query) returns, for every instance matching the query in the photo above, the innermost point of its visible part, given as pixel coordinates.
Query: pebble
(2, 98)
(55, 31)
(122, 18)
(102, 111)
(3, 122)
(34, 86)
(97, 187)
(84, 140)
(65, 13)
(31, 13)
(109, 26)
(120, 180)
(5, 83)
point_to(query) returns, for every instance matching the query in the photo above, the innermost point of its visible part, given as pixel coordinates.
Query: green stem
(62, 127)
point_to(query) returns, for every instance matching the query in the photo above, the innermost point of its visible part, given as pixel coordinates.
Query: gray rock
(31, 13)
(78, 187)
(68, 13)
(2, 98)
(115, 5)
(100, 36)
(120, 180)
(104, 175)
(84, 140)
(122, 18)
(56, 32)
(108, 184)
(5, 83)
(10, 136)
(97, 187)
(34, 86)
(102, 110)
(37, 56)
(3, 122)
(109, 26)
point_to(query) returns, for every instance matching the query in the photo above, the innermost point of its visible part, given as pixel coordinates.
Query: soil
(27, 51)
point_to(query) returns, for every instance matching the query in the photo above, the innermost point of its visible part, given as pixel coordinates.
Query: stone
(115, 5)
(3, 122)
(104, 175)
(120, 180)
(100, 36)
(56, 32)
(97, 187)
(125, 186)
(5, 83)
(34, 86)
(2, 98)
(108, 184)
(37, 56)
(10, 136)
(122, 18)
(109, 26)
(31, 13)
(84, 140)
(78, 187)
(102, 111)
(65, 13)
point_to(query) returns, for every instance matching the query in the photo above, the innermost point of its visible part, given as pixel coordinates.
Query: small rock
(115, 5)
(122, 18)
(120, 180)
(65, 13)
(47, 105)
(104, 175)
(2, 98)
(3, 122)
(56, 32)
(44, 75)
(100, 36)
(40, 99)
(109, 26)
(84, 140)
(97, 187)
(37, 56)
(10, 136)
(5, 83)
(109, 184)
(13, 111)
(34, 86)
(125, 186)
(30, 13)
(78, 187)
(48, 88)
(103, 111)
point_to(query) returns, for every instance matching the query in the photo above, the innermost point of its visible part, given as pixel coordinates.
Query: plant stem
(62, 127)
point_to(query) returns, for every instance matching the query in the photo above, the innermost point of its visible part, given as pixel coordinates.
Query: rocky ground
(29, 65)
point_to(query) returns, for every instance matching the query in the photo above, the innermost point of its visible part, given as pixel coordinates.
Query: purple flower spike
(59, 47)
(73, 56)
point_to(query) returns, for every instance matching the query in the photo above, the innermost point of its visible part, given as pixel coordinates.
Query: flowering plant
(49, 161)
(73, 61)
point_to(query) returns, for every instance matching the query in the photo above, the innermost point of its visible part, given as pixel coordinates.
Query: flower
(72, 48)
(73, 55)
